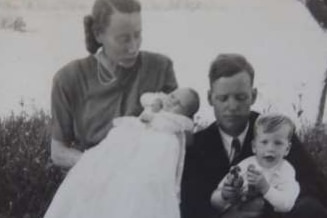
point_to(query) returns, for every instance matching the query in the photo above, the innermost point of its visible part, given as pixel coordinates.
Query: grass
(315, 140)
(28, 178)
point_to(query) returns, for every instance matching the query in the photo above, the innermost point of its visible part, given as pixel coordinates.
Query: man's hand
(249, 209)
(230, 192)
(258, 180)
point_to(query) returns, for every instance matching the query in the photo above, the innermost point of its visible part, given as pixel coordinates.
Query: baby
(176, 108)
(183, 101)
(136, 170)
(265, 174)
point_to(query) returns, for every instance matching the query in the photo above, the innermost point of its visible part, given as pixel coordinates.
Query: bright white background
(279, 37)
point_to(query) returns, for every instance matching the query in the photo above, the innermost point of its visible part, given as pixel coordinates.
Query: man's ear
(98, 36)
(209, 97)
(254, 150)
(254, 95)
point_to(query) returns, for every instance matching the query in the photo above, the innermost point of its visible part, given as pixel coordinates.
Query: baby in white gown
(135, 171)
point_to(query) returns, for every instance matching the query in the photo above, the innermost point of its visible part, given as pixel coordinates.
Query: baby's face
(156, 105)
(179, 101)
(271, 147)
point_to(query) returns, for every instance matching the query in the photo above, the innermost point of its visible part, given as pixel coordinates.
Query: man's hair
(227, 65)
(272, 122)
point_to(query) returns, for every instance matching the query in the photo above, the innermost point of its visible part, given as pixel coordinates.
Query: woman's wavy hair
(100, 19)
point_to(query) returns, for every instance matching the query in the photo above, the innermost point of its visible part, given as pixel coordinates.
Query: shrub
(315, 140)
(15, 23)
(28, 178)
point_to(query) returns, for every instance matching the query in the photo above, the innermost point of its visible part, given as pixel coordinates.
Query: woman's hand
(62, 155)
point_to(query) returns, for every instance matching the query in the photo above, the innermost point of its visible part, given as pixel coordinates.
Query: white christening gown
(134, 172)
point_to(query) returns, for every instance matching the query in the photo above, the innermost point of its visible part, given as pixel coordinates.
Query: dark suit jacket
(206, 163)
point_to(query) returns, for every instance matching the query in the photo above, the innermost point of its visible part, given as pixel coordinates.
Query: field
(287, 52)
(37, 37)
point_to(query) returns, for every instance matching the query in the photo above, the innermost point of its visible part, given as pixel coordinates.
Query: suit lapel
(217, 146)
(218, 152)
(247, 144)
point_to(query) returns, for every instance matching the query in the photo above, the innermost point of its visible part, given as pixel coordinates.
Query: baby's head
(272, 139)
(183, 101)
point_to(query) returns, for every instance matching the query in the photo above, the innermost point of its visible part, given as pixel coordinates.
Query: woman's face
(121, 40)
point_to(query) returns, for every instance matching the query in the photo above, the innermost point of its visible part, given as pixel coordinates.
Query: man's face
(231, 98)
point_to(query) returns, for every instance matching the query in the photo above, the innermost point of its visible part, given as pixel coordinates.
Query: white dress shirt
(227, 141)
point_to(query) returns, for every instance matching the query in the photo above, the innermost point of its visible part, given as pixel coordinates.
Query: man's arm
(192, 204)
(62, 155)
(222, 197)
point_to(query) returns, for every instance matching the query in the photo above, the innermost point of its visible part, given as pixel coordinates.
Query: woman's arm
(170, 82)
(62, 155)
(62, 101)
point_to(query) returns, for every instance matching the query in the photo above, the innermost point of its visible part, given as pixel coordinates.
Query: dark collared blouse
(83, 108)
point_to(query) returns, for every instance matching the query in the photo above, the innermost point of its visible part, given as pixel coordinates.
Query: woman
(136, 170)
(89, 93)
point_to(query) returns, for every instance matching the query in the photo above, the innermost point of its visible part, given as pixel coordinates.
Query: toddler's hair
(272, 122)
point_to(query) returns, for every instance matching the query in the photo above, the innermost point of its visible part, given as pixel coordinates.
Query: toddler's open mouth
(269, 158)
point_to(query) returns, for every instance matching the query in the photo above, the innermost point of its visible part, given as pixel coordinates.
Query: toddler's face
(271, 147)
(179, 101)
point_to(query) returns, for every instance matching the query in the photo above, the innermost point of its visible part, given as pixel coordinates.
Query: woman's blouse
(83, 107)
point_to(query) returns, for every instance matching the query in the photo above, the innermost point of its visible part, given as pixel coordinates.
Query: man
(228, 140)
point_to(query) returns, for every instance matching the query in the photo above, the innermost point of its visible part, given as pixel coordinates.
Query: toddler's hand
(257, 179)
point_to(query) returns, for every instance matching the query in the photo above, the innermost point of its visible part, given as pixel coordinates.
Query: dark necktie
(236, 146)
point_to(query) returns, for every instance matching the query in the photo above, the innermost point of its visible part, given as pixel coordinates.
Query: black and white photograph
(163, 108)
